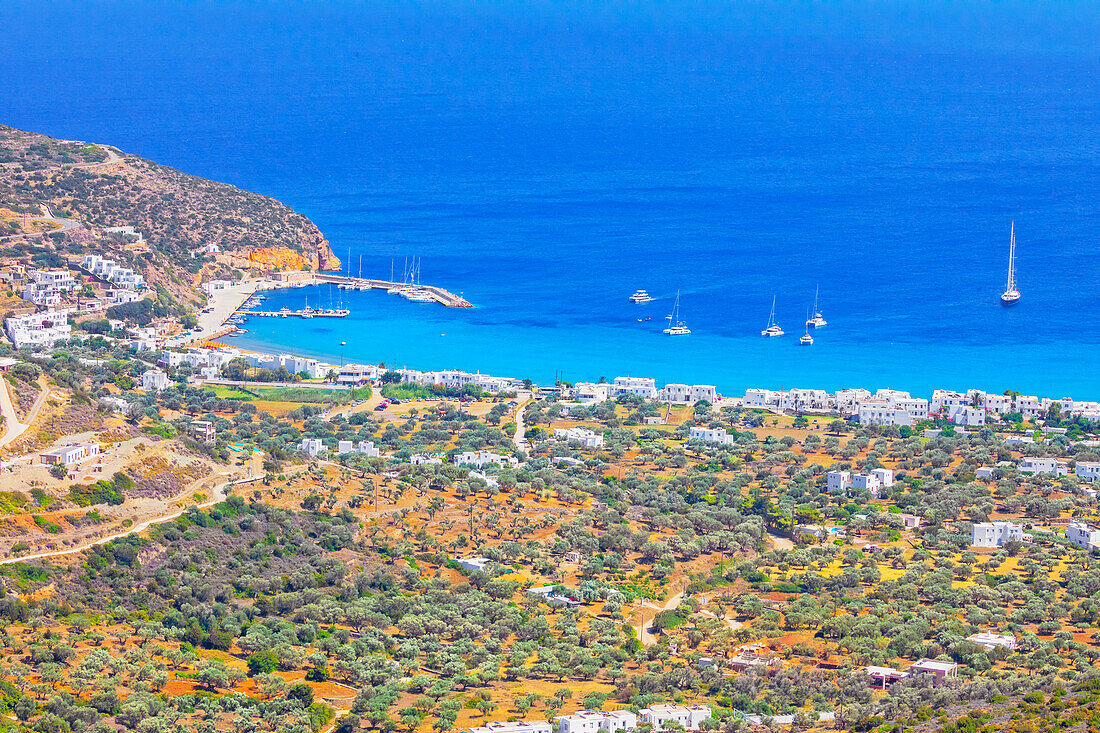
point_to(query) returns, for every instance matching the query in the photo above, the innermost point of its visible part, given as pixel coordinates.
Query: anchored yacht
(773, 328)
(818, 320)
(640, 296)
(1011, 295)
(676, 327)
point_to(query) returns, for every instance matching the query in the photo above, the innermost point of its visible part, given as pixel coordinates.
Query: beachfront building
(597, 721)
(995, 534)
(941, 670)
(198, 358)
(1083, 535)
(591, 392)
(711, 435)
(1087, 471)
(215, 286)
(789, 400)
(689, 716)
(945, 399)
(154, 380)
(684, 394)
(989, 640)
(587, 438)
(966, 415)
(482, 458)
(1051, 466)
(36, 330)
(357, 373)
(311, 446)
(883, 413)
(365, 447)
(69, 455)
(641, 386)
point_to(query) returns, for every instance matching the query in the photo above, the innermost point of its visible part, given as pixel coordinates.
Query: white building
(1019, 440)
(482, 458)
(39, 329)
(587, 438)
(357, 373)
(711, 435)
(112, 272)
(760, 398)
(154, 380)
(684, 394)
(984, 473)
(69, 455)
(689, 716)
(597, 721)
(1083, 535)
(838, 482)
(366, 447)
(1087, 471)
(966, 415)
(518, 726)
(215, 285)
(945, 399)
(422, 459)
(990, 640)
(474, 563)
(1052, 466)
(641, 386)
(312, 446)
(591, 392)
(883, 413)
(995, 534)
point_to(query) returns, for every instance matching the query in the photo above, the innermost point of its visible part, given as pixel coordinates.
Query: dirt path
(781, 543)
(219, 496)
(644, 634)
(518, 439)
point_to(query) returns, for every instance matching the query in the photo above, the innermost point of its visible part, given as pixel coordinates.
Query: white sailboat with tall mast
(773, 328)
(1011, 295)
(807, 339)
(676, 327)
(818, 320)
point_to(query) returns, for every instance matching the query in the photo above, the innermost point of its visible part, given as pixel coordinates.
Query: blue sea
(546, 159)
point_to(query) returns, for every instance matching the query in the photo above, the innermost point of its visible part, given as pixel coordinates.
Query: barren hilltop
(180, 215)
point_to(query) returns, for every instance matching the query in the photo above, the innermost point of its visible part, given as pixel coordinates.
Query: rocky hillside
(178, 213)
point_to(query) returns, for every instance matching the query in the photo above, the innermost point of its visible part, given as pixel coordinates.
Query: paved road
(219, 495)
(644, 635)
(47, 215)
(518, 439)
(12, 427)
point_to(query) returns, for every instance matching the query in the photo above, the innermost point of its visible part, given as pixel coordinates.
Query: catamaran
(773, 328)
(1011, 295)
(818, 320)
(676, 327)
(640, 296)
(807, 339)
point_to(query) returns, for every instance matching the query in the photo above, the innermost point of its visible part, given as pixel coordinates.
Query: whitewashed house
(689, 716)
(1052, 466)
(995, 534)
(597, 721)
(311, 446)
(587, 438)
(1083, 535)
(154, 380)
(711, 435)
(966, 415)
(1086, 471)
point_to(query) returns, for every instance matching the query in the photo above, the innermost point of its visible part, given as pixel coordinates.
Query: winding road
(12, 427)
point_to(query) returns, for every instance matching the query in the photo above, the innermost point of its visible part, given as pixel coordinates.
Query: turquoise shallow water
(547, 160)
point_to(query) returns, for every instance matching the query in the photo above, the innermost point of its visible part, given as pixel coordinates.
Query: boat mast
(1012, 259)
(771, 316)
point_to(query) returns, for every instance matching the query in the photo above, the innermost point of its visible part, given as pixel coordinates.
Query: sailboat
(676, 327)
(818, 320)
(807, 339)
(773, 328)
(1011, 295)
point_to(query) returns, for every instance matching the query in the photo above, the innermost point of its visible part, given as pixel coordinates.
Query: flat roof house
(995, 534)
(884, 676)
(518, 726)
(942, 670)
(989, 640)
(597, 721)
(689, 716)
(1083, 535)
(69, 455)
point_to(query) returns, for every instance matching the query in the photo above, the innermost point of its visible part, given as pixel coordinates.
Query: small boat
(807, 339)
(640, 296)
(773, 328)
(676, 327)
(1011, 295)
(817, 321)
